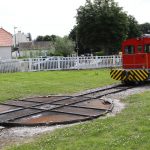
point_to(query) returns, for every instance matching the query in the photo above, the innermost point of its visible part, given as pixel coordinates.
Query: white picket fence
(60, 63)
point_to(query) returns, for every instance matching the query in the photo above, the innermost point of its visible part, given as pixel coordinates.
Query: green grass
(19, 85)
(129, 130)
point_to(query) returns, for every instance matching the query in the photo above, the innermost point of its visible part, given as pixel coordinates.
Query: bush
(100, 53)
(64, 46)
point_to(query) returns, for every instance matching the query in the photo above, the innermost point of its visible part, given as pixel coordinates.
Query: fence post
(114, 60)
(78, 63)
(96, 58)
(39, 64)
(20, 64)
(30, 64)
(58, 59)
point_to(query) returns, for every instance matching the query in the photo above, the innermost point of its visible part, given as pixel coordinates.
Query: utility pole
(77, 47)
(15, 48)
(15, 36)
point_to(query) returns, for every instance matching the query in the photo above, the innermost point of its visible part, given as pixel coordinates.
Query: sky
(47, 17)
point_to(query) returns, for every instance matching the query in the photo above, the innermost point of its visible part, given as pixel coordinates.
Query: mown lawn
(129, 130)
(19, 85)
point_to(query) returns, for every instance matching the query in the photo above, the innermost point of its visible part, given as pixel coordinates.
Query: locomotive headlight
(143, 67)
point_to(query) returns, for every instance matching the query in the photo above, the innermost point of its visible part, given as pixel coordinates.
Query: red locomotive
(135, 61)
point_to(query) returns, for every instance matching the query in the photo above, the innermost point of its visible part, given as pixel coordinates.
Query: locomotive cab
(135, 61)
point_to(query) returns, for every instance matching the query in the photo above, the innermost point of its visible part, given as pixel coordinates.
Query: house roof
(5, 38)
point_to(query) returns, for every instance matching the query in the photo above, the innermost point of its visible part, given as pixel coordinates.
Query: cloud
(137, 8)
(41, 17)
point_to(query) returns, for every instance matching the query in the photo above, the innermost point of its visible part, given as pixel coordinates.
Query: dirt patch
(20, 135)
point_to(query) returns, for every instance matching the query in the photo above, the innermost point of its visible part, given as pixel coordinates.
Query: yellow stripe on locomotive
(135, 75)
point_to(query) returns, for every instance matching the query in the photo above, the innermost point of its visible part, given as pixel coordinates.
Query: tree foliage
(145, 28)
(39, 38)
(134, 30)
(64, 46)
(46, 38)
(103, 25)
(29, 36)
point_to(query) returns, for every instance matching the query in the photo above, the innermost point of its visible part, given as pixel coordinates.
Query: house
(6, 43)
(34, 49)
(20, 38)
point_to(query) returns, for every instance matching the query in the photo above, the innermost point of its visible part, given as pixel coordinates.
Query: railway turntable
(51, 110)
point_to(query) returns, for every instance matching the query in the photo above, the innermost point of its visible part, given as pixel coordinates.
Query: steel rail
(84, 97)
(42, 110)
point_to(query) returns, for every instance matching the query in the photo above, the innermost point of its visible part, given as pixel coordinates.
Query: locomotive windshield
(129, 49)
(147, 48)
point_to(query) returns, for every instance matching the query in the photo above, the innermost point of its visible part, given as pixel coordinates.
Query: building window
(139, 48)
(147, 48)
(129, 49)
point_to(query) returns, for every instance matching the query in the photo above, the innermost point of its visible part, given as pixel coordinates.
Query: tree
(53, 37)
(134, 30)
(103, 25)
(64, 46)
(73, 35)
(145, 28)
(39, 38)
(29, 36)
(46, 38)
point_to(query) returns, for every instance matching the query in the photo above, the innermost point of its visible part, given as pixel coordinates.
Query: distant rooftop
(5, 38)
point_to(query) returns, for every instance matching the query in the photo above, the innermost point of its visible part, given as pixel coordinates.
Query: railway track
(106, 91)
(52, 110)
